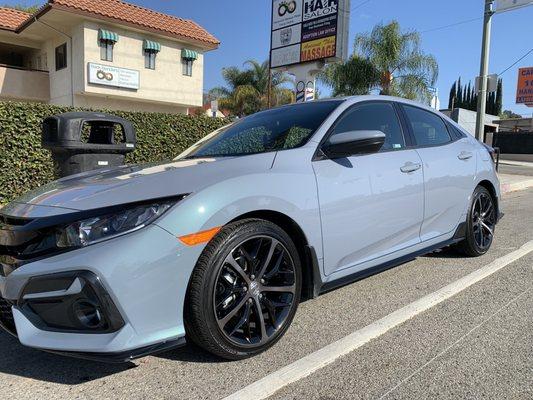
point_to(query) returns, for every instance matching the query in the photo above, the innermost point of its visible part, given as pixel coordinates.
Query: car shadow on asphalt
(190, 353)
(16, 359)
(447, 252)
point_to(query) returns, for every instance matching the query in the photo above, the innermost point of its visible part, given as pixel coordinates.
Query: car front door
(449, 164)
(370, 205)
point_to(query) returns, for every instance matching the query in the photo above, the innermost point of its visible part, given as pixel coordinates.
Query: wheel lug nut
(252, 277)
(262, 281)
(245, 288)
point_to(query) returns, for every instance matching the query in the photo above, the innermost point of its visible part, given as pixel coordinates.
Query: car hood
(128, 184)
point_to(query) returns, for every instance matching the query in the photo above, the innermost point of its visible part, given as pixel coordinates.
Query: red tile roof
(143, 17)
(119, 12)
(11, 19)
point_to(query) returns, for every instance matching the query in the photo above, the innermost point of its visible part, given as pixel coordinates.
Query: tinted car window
(374, 116)
(456, 132)
(276, 129)
(429, 129)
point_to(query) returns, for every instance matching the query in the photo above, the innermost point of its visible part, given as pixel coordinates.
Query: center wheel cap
(254, 289)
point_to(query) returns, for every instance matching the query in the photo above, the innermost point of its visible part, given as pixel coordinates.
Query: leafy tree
(246, 91)
(22, 7)
(506, 114)
(356, 76)
(405, 70)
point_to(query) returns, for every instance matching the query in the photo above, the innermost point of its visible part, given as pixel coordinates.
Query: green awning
(150, 45)
(187, 54)
(107, 35)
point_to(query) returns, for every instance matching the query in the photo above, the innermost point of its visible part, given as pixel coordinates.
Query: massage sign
(304, 30)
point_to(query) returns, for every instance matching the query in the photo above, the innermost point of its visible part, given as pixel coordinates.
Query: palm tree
(246, 91)
(405, 70)
(356, 76)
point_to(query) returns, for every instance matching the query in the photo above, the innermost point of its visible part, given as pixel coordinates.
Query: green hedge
(24, 164)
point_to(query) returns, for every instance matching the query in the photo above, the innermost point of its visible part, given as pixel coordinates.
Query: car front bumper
(142, 275)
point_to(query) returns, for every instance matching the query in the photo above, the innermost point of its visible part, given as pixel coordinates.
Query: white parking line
(311, 363)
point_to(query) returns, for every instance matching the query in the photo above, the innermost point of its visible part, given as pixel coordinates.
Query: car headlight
(96, 229)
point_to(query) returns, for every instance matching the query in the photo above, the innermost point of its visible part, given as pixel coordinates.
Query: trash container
(83, 141)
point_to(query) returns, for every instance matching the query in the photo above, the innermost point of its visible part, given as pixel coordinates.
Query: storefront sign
(308, 30)
(113, 76)
(285, 56)
(319, 8)
(508, 5)
(319, 28)
(286, 36)
(318, 49)
(286, 13)
(524, 90)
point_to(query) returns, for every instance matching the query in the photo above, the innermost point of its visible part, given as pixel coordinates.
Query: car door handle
(464, 155)
(410, 167)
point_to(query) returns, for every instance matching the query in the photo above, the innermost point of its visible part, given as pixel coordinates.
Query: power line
(452, 25)
(360, 5)
(516, 62)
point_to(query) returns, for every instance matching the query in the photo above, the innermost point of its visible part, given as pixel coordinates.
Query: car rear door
(370, 205)
(449, 164)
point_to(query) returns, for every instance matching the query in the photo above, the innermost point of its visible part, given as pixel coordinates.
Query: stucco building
(103, 54)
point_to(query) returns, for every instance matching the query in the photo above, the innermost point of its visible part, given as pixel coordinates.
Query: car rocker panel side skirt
(321, 287)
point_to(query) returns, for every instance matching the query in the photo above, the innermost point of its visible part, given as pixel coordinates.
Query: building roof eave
(202, 44)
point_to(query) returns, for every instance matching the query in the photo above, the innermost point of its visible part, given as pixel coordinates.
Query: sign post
(483, 72)
(305, 35)
(501, 6)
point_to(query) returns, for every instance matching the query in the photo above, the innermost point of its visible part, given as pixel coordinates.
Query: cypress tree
(490, 104)
(498, 104)
(452, 99)
(459, 94)
(468, 100)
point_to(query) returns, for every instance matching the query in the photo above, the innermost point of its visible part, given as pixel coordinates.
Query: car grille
(19, 244)
(6, 316)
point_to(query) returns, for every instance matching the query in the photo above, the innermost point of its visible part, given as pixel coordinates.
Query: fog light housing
(88, 314)
(74, 302)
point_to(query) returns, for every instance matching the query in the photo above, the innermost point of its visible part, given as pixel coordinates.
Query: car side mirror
(353, 142)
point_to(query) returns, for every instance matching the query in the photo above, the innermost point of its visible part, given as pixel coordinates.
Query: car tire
(480, 224)
(222, 306)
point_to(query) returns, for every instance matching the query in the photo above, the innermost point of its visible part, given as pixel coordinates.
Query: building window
(106, 50)
(149, 59)
(61, 56)
(186, 67)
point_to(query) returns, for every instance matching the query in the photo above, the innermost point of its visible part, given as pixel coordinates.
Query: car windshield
(276, 129)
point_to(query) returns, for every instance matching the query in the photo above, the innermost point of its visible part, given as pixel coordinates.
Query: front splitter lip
(124, 356)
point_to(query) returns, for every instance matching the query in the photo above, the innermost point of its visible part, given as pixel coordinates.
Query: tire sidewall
(469, 223)
(237, 236)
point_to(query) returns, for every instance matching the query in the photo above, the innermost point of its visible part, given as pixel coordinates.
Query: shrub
(25, 165)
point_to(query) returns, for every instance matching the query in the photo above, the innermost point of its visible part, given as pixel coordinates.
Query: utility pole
(484, 71)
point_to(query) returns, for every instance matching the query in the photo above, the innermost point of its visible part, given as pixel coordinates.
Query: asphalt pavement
(476, 344)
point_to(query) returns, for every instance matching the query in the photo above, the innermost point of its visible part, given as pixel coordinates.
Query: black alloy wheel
(480, 224)
(254, 291)
(244, 291)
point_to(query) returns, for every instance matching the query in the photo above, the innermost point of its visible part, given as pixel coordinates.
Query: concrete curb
(508, 187)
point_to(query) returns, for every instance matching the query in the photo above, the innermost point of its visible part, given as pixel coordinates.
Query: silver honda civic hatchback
(221, 244)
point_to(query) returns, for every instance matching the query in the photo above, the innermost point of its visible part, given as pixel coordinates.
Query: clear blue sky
(243, 28)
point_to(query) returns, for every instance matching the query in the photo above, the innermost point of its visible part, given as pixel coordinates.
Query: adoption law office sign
(308, 30)
(524, 90)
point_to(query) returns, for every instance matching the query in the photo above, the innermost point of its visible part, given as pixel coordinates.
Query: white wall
(165, 84)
